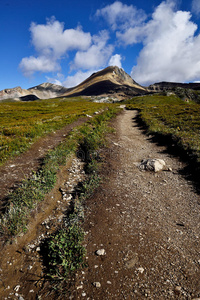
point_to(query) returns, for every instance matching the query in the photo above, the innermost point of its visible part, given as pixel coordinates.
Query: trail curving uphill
(147, 223)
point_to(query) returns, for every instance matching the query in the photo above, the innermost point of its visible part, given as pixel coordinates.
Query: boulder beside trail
(154, 164)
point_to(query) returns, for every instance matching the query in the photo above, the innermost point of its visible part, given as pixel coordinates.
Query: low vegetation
(172, 117)
(21, 123)
(64, 252)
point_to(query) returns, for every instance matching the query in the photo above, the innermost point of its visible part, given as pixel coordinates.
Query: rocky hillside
(164, 86)
(185, 91)
(42, 91)
(111, 81)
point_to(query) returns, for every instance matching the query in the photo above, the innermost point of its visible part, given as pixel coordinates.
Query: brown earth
(148, 223)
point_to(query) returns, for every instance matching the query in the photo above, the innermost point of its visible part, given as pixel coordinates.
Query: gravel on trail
(142, 228)
(147, 225)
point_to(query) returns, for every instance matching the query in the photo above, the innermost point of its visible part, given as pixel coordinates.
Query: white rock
(97, 284)
(17, 288)
(154, 165)
(100, 252)
(141, 270)
(79, 287)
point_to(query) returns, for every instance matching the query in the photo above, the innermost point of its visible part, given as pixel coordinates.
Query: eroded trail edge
(147, 223)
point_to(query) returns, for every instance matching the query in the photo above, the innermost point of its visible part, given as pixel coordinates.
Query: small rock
(131, 263)
(100, 252)
(154, 165)
(83, 294)
(79, 287)
(97, 284)
(38, 249)
(140, 270)
(108, 282)
(17, 288)
(21, 298)
(177, 289)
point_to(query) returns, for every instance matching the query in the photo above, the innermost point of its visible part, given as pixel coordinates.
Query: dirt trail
(147, 223)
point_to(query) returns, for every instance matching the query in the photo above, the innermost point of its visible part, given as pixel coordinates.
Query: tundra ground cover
(64, 252)
(171, 116)
(21, 123)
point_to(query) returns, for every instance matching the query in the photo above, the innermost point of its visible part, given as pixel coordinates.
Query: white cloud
(52, 42)
(120, 15)
(97, 54)
(196, 7)
(30, 65)
(52, 38)
(74, 80)
(115, 60)
(171, 49)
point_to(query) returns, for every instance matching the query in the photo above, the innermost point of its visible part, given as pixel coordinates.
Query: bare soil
(147, 223)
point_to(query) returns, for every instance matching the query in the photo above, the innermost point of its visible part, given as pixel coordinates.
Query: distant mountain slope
(109, 81)
(112, 82)
(167, 86)
(42, 91)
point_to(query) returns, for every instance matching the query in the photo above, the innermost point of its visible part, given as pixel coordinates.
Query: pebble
(108, 282)
(97, 284)
(100, 252)
(17, 288)
(178, 289)
(21, 298)
(140, 270)
(79, 287)
(131, 263)
(84, 294)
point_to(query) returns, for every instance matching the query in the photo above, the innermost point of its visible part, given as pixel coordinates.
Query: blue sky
(65, 41)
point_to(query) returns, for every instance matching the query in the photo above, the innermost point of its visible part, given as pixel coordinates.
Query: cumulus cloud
(120, 15)
(32, 64)
(51, 38)
(196, 7)
(171, 49)
(51, 42)
(115, 60)
(77, 78)
(97, 54)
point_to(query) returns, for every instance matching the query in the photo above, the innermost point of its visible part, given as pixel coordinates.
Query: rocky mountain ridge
(111, 82)
(42, 91)
(166, 86)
